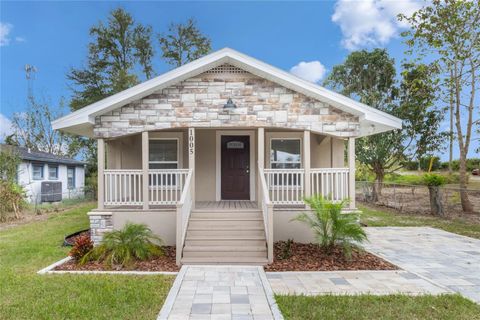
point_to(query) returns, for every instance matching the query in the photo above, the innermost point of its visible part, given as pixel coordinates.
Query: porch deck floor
(226, 205)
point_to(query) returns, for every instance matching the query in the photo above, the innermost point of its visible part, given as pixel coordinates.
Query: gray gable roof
(40, 156)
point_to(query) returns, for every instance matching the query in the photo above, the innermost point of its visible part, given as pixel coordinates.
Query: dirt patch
(310, 257)
(163, 263)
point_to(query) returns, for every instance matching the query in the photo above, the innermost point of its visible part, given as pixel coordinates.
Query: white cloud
(371, 22)
(20, 39)
(5, 29)
(5, 127)
(312, 71)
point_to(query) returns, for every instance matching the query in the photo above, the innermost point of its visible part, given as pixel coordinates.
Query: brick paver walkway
(220, 292)
(445, 258)
(351, 283)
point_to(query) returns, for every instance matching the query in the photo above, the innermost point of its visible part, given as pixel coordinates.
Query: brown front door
(235, 168)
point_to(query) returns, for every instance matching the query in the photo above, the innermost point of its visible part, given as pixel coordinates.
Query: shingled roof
(30, 155)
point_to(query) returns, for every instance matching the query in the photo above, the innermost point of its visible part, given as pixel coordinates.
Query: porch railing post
(306, 163)
(101, 173)
(191, 160)
(351, 172)
(261, 160)
(145, 189)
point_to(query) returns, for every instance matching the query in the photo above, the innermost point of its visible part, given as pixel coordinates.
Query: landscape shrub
(331, 226)
(12, 195)
(83, 244)
(12, 200)
(121, 248)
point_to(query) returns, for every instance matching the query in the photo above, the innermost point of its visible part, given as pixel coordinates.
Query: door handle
(248, 170)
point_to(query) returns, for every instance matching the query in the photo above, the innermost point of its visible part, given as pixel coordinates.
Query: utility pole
(30, 71)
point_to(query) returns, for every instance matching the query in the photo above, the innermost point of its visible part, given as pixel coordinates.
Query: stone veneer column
(100, 222)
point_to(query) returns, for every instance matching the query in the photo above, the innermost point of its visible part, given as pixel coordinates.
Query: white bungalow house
(47, 177)
(216, 155)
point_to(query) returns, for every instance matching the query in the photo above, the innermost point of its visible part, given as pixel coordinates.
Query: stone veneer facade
(100, 222)
(199, 101)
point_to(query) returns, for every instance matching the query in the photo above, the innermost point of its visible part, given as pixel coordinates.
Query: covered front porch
(211, 167)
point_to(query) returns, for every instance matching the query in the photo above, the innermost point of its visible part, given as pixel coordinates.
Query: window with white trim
(285, 154)
(37, 171)
(163, 154)
(71, 177)
(52, 172)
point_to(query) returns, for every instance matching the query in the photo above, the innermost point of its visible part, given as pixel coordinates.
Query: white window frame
(270, 152)
(178, 162)
(33, 171)
(56, 171)
(74, 178)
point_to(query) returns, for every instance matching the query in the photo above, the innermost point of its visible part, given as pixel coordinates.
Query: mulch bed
(310, 257)
(163, 263)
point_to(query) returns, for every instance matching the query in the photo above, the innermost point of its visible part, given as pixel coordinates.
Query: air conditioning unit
(51, 191)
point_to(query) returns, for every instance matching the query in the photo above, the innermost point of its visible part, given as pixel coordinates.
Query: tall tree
(32, 129)
(117, 50)
(449, 31)
(184, 43)
(370, 77)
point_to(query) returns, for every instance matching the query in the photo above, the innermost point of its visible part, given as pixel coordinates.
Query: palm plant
(331, 226)
(125, 246)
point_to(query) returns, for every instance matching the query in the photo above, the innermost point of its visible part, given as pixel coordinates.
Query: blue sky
(53, 36)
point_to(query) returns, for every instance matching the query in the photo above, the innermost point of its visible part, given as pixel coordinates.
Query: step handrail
(184, 210)
(267, 212)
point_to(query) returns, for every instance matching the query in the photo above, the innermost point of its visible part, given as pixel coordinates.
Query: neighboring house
(215, 156)
(62, 177)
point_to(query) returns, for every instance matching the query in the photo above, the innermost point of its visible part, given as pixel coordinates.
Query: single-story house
(216, 156)
(48, 177)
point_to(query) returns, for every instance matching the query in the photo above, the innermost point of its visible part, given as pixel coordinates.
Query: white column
(145, 155)
(100, 173)
(306, 162)
(191, 160)
(261, 160)
(351, 172)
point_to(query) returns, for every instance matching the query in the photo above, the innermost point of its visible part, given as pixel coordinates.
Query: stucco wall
(205, 163)
(199, 102)
(326, 152)
(162, 223)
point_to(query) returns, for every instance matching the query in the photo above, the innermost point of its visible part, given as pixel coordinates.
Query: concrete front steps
(225, 237)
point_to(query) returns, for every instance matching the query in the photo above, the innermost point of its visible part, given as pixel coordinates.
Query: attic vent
(226, 68)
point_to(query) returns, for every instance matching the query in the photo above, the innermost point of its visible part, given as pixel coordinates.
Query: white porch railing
(184, 209)
(331, 183)
(286, 186)
(166, 186)
(267, 212)
(123, 187)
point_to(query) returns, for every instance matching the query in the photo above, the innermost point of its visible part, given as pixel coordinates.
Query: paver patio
(351, 283)
(445, 258)
(220, 292)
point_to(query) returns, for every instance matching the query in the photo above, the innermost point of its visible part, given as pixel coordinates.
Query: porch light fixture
(229, 104)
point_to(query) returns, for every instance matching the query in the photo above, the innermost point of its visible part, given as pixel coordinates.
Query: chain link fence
(414, 199)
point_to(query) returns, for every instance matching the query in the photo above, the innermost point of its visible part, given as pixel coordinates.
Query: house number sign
(235, 145)
(191, 141)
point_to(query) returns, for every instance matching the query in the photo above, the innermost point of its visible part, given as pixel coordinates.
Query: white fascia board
(226, 55)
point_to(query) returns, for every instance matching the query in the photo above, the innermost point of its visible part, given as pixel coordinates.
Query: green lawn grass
(394, 307)
(25, 295)
(376, 218)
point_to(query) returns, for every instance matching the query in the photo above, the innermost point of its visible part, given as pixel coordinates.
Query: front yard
(25, 295)
(392, 307)
(466, 225)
